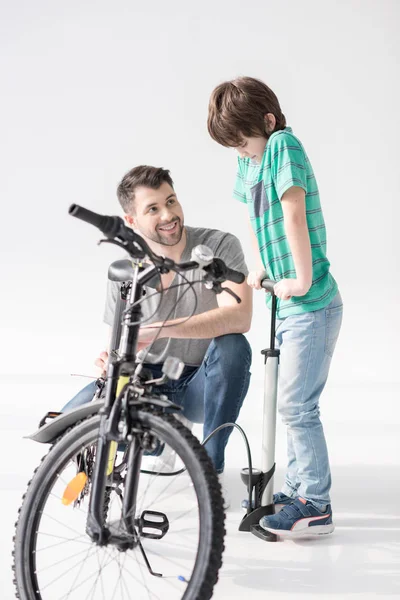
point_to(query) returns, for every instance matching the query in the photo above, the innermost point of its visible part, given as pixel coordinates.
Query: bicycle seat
(120, 270)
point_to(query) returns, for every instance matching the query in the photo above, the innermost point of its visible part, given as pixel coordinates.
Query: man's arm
(229, 317)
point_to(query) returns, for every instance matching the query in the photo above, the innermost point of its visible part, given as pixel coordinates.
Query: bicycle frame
(118, 374)
(124, 394)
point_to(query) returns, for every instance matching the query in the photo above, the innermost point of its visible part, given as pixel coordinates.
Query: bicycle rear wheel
(54, 558)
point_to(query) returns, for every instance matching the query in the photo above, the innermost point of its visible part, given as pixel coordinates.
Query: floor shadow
(362, 555)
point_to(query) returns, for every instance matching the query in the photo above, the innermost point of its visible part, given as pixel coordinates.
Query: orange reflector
(74, 488)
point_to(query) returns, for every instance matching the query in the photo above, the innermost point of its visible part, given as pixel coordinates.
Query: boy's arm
(296, 229)
(258, 262)
(259, 273)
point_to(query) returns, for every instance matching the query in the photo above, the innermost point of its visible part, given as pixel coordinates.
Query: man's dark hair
(142, 176)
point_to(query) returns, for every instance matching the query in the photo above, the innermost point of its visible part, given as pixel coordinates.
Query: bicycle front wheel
(55, 559)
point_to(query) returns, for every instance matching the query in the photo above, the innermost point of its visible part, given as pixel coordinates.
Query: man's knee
(85, 395)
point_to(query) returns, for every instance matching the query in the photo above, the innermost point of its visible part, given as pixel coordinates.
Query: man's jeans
(306, 342)
(211, 394)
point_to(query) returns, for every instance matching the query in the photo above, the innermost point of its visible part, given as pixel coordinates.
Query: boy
(276, 181)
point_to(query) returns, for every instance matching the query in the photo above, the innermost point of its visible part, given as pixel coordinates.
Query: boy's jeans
(306, 342)
(211, 394)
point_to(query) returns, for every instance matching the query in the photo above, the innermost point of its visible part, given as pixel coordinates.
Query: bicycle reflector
(74, 488)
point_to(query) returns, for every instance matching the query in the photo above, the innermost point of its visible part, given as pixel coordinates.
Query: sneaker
(163, 458)
(298, 519)
(164, 462)
(188, 424)
(225, 495)
(279, 499)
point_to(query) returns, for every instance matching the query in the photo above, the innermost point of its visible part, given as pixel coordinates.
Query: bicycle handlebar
(235, 276)
(110, 226)
(114, 227)
(226, 272)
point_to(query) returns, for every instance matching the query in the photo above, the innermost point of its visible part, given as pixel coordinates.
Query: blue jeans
(306, 342)
(212, 393)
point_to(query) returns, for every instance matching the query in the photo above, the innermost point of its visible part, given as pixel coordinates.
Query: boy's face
(157, 215)
(252, 147)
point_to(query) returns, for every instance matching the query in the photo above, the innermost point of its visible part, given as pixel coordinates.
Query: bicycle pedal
(158, 525)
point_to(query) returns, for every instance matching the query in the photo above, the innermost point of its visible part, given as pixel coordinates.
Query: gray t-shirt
(178, 302)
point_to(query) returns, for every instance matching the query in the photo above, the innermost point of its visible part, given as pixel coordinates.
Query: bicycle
(89, 508)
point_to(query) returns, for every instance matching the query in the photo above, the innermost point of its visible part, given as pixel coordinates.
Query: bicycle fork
(130, 528)
(107, 444)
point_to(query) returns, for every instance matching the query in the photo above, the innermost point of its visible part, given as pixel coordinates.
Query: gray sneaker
(225, 494)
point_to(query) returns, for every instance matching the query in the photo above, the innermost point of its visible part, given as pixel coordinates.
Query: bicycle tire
(206, 487)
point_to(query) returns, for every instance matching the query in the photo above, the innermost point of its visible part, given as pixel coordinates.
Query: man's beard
(167, 240)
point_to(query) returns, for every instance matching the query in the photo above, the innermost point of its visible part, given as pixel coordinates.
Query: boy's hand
(254, 278)
(101, 362)
(286, 288)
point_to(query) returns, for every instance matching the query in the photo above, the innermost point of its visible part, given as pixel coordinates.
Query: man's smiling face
(158, 215)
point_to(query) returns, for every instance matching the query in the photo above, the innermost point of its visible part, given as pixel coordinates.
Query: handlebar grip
(110, 226)
(235, 276)
(268, 284)
(217, 268)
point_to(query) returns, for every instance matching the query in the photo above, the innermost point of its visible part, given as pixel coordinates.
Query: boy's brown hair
(237, 109)
(142, 176)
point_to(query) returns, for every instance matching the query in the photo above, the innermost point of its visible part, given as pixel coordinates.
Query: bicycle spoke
(58, 537)
(77, 575)
(60, 523)
(90, 553)
(68, 565)
(63, 559)
(99, 577)
(84, 581)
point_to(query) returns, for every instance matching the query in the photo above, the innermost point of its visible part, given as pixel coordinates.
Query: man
(217, 356)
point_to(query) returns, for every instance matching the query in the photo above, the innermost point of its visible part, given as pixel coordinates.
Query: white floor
(361, 559)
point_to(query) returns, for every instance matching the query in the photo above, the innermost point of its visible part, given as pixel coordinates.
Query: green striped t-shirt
(261, 186)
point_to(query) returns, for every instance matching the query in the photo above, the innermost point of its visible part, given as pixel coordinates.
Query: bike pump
(262, 481)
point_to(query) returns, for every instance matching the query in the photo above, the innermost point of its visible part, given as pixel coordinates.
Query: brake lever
(225, 289)
(132, 248)
(218, 289)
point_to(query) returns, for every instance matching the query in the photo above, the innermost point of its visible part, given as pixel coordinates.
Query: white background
(91, 89)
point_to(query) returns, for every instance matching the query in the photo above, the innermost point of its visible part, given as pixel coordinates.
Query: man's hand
(101, 362)
(254, 278)
(229, 317)
(286, 288)
(145, 338)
